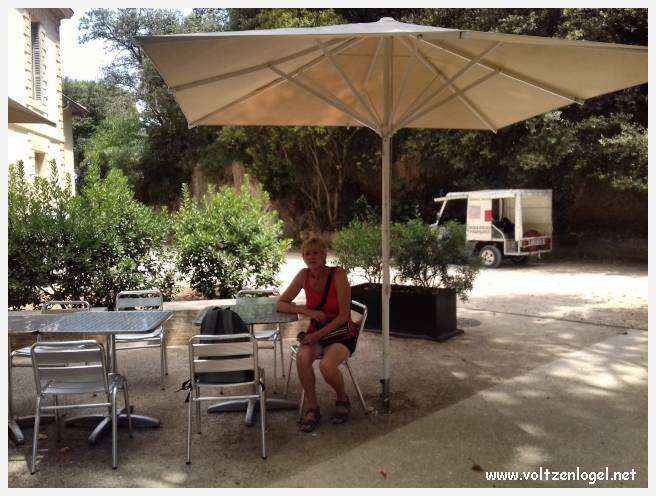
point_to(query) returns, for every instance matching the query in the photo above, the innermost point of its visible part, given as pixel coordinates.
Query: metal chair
(268, 339)
(224, 361)
(359, 315)
(24, 353)
(85, 373)
(143, 299)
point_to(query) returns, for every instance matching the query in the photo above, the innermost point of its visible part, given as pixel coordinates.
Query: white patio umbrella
(384, 75)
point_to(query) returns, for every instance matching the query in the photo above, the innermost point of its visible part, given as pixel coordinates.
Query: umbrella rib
(337, 103)
(369, 73)
(346, 80)
(416, 116)
(276, 82)
(372, 63)
(408, 115)
(466, 101)
(406, 74)
(506, 73)
(247, 70)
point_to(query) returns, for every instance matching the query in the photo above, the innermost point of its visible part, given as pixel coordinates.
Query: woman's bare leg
(307, 354)
(333, 356)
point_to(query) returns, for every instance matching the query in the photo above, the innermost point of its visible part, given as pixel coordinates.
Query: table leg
(15, 432)
(252, 407)
(102, 422)
(18, 424)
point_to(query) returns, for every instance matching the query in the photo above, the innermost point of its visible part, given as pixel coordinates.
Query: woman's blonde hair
(314, 241)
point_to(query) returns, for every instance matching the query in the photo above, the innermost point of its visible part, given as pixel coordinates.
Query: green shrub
(37, 212)
(227, 241)
(87, 246)
(435, 258)
(116, 243)
(357, 248)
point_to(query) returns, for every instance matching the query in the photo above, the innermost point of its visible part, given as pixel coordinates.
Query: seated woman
(334, 314)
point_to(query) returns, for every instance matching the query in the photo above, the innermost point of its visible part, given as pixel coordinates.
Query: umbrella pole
(387, 146)
(385, 295)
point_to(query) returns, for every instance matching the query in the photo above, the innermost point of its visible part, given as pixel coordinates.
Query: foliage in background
(357, 247)
(37, 211)
(435, 258)
(228, 241)
(87, 246)
(103, 102)
(599, 145)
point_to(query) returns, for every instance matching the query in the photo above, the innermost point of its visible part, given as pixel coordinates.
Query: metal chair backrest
(359, 313)
(257, 292)
(65, 306)
(223, 359)
(142, 299)
(85, 369)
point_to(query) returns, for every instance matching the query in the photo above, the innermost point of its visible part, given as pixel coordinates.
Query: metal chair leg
(166, 361)
(126, 399)
(189, 415)
(35, 438)
(282, 355)
(162, 362)
(275, 362)
(198, 409)
(114, 431)
(263, 419)
(10, 381)
(289, 373)
(57, 421)
(357, 387)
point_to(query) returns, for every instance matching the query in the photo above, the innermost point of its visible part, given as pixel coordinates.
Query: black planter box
(414, 312)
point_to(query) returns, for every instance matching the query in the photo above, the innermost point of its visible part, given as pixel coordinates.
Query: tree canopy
(596, 152)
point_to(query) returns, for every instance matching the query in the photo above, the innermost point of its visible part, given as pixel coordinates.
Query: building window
(39, 164)
(37, 63)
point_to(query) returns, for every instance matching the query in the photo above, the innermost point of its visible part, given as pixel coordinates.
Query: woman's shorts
(349, 343)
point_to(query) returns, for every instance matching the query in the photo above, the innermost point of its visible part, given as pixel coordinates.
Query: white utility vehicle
(512, 223)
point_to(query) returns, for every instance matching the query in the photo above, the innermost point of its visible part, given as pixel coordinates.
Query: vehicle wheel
(519, 260)
(490, 256)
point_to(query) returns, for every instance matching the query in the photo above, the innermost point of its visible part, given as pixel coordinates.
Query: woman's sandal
(341, 417)
(311, 420)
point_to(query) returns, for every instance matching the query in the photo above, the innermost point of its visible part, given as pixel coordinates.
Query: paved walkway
(586, 410)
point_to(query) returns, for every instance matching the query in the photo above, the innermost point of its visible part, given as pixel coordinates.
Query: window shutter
(36, 62)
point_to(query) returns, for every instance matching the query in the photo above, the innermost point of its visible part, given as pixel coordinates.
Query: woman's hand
(310, 339)
(316, 315)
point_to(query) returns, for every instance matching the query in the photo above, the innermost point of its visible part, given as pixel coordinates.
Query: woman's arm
(343, 289)
(285, 304)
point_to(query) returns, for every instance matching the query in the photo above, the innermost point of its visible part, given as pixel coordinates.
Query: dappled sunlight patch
(499, 397)
(532, 429)
(529, 456)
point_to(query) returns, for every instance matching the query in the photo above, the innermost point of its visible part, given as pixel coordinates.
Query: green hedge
(229, 240)
(101, 241)
(422, 255)
(89, 246)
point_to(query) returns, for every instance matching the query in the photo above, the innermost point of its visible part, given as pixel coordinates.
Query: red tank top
(313, 298)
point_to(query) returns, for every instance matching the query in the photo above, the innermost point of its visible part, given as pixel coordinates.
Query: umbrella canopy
(385, 75)
(18, 113)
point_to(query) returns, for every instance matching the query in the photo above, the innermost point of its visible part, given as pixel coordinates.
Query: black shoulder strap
(326, 289)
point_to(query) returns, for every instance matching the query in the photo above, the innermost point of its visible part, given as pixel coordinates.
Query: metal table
(254, 311)
(18, 424)
(98, 323)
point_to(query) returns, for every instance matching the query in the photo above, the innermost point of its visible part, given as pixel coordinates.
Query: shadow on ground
(427, 377)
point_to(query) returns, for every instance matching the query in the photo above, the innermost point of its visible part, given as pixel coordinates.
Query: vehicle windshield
(455, 210)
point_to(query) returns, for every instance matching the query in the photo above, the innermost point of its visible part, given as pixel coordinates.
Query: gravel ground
(607, 294)
(496, 347)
